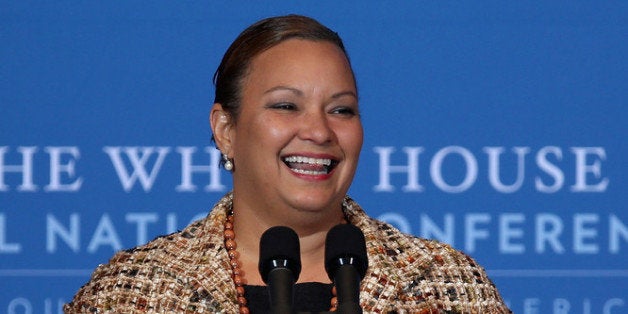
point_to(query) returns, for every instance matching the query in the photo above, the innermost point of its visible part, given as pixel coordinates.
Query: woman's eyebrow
(286, 88)
(344, 93)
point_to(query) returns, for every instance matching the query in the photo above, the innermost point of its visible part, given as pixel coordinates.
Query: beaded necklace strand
(238, 275)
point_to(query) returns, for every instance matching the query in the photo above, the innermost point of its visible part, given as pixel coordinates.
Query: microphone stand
(280, 288)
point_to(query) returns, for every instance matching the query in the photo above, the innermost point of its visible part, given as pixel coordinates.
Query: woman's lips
(310, 165)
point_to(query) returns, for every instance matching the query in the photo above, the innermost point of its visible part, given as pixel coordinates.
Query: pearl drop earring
(228, 164)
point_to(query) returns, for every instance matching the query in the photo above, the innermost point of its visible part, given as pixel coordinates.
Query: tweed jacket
(189, 272)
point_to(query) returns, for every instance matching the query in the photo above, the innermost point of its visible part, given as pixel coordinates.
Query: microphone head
(345, 245)
(279, 248)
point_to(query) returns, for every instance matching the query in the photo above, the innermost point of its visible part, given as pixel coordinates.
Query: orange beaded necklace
(238, 275)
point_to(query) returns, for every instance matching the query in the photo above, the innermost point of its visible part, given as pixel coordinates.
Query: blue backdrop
(499, 128)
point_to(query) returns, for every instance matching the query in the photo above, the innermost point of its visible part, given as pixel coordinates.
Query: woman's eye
(283, 106)
(346, 111)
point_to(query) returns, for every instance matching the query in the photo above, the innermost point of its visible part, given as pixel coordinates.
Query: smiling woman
(298, 110)
(286, 119)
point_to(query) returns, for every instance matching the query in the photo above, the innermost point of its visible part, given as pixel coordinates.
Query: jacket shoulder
(168, 274)
(430, 275)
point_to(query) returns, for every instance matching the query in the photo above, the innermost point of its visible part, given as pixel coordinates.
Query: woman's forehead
(298, 63)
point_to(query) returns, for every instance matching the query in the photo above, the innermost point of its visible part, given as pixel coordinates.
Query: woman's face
(298, 135)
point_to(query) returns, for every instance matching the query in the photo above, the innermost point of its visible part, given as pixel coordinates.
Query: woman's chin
(315, 201)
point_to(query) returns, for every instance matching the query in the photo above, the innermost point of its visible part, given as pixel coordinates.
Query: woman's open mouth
(310, 165)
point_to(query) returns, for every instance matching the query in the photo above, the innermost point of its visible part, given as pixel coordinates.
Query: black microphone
(280, 266)
(346, 263)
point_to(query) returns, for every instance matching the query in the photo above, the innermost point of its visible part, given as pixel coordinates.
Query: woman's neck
(311, 227)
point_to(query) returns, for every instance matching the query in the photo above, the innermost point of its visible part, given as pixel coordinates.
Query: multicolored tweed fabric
(189, 272)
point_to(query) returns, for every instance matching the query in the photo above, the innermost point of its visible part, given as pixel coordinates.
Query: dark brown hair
(254, 40)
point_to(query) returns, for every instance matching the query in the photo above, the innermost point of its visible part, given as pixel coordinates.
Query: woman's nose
(315, 127)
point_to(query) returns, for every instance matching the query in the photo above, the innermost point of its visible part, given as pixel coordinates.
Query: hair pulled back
(254, 40)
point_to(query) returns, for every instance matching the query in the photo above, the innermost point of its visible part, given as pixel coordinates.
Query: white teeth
(308, 160)
(309, 172)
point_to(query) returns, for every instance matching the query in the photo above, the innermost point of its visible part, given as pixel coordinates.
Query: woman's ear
(221, 123)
